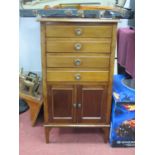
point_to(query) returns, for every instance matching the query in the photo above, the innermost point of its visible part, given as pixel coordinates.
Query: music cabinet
(77, 72)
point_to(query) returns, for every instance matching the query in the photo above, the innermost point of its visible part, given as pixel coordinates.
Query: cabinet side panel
(109, 94)
(43, 54)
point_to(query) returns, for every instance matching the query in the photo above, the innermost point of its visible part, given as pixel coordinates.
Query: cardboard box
(122, 131)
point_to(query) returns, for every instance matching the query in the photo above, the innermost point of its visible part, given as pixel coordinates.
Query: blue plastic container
(122, 131)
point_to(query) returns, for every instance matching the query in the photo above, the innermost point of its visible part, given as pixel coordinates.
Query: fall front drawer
(72, 75)
(78, 60)
(67, 31)
(98, 45)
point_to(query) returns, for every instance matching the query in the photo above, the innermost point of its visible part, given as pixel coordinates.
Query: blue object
(22, 106)
(122, 131)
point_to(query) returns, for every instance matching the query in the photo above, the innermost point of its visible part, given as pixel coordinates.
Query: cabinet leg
(106, 135)
(47, 133)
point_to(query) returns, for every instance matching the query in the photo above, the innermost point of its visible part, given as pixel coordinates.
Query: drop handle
(79, 105)
(77, 76)
(77, 62)
(78, 31)
(78, 46)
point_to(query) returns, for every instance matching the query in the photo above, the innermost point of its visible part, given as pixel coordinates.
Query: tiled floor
(77, 141)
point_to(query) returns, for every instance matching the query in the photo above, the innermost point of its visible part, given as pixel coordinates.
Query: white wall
(29, 45)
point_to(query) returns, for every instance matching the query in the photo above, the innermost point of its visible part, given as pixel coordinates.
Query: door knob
(74, 105)
(77, 77)
(77, 62)
(79, 105)
(78, 31)
(77, 46)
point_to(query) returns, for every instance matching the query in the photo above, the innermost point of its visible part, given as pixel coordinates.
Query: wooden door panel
(94, 98)
(92, 101)
(61, 100)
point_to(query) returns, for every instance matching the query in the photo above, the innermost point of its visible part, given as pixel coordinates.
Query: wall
(29, 45)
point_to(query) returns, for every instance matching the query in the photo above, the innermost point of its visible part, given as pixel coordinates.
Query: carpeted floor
(64, 141)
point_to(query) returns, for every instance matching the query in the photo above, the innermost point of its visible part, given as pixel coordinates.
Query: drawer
(72, 75)
(78, 45)
(78, 60)
(71, 31)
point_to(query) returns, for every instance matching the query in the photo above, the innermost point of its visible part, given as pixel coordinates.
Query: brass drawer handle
(78, 31)
(77, 62)
(77, 46)
(77, 77)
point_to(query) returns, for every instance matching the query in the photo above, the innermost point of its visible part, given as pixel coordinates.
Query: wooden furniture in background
(34, 102)
(77, 65)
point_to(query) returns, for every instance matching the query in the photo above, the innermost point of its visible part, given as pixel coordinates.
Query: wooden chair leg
(106, 135)
(47, 133)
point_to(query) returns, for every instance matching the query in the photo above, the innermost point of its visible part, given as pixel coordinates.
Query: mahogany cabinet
(77, 71)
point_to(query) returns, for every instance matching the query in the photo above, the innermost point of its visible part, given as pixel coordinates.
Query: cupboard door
(61, 100)
(91, 102)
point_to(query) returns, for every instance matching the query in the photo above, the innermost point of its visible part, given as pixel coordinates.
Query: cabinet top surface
(87, 20)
